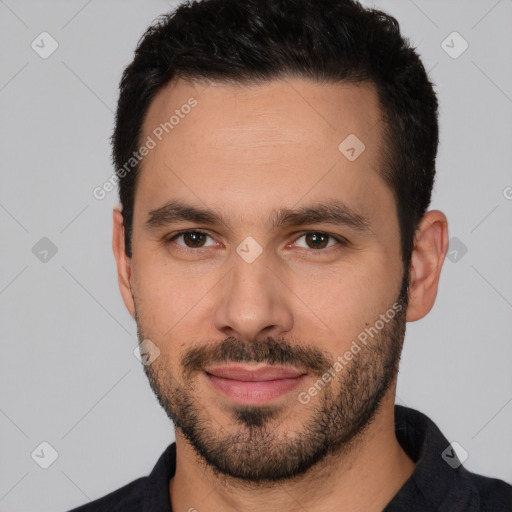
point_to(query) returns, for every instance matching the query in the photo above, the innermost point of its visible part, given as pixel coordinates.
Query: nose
(253, 302)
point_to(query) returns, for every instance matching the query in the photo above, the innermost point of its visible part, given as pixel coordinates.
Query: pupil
(194, 234)
(315, 235)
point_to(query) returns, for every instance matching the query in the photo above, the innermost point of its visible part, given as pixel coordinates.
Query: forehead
(253, 113)
(278, 142)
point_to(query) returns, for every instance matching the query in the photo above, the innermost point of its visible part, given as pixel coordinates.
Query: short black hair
(255, 41)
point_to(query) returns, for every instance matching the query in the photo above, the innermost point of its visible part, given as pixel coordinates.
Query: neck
(364, 478)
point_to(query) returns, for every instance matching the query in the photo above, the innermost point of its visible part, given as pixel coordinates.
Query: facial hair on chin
(256, 451)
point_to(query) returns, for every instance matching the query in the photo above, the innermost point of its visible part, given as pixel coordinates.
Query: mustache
(270, 350)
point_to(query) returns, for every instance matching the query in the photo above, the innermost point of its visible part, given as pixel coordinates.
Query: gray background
(68, 373)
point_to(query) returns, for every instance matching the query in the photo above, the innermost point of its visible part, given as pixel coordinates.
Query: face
(266, 270)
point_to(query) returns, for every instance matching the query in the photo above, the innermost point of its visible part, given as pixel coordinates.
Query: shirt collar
(156, 494)
(439, 481)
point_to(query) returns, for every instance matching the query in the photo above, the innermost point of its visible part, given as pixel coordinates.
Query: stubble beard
(256, 450)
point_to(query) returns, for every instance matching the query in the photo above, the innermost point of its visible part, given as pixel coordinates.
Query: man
(276, 160)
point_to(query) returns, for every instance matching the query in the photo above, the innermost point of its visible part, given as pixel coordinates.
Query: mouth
(254, 384)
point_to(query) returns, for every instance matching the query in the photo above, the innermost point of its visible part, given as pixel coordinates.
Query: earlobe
(123, 262)
(430, 248)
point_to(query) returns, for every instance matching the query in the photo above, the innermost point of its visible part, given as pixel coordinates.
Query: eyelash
(342, 242)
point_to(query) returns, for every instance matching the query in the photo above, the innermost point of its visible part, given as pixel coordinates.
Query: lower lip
(257, 392)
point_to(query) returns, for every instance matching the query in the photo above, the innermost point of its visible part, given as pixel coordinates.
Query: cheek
(155, 275)
(155, 296)
(172, 303)
(349, 297)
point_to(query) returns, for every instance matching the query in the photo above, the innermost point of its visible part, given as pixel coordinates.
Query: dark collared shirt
(439, 482)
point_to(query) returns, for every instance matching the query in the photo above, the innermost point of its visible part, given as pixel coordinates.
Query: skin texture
(244, 151)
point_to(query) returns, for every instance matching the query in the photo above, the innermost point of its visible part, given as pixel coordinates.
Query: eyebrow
(328, 212)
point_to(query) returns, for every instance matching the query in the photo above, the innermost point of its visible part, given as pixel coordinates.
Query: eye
(193, 239)
(317, 241)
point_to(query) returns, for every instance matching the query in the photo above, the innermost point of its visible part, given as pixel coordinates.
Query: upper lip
(246, 373)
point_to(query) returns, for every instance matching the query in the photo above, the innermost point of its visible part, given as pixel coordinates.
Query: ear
(430, 248)
(123, 262)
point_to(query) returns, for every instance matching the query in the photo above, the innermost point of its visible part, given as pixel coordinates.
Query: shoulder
(145, 493)
(127, 498)
(495, 495)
